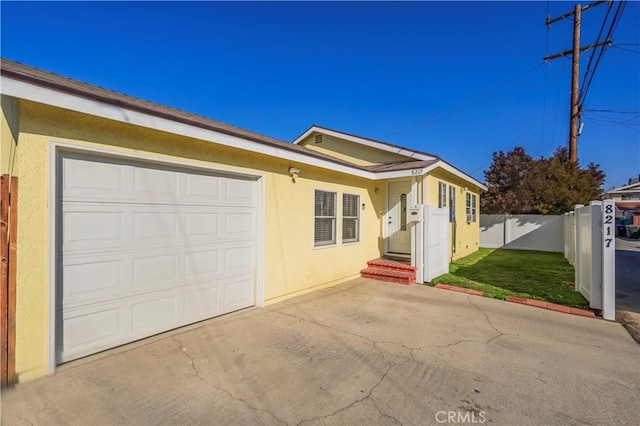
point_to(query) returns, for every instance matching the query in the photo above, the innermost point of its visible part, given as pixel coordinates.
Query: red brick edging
(551, 306)
(460, 289)
(522, 301)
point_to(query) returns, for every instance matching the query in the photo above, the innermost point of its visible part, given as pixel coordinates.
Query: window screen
(442, 195)
(452, 204)
(350, 218)
(325, 218)
(471, 207)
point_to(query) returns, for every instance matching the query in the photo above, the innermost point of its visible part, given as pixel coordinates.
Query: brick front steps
(390, 271)
(528, 302)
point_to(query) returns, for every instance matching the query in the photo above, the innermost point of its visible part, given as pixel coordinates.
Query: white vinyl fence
(522, 232)
(432, 241)
(589, 245)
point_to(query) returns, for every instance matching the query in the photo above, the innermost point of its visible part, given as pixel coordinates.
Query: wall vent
(318, 139)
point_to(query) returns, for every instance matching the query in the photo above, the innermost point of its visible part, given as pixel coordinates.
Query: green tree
(507, 189)
(517, 184)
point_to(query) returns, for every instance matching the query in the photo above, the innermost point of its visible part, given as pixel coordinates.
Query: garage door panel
(239, 225)
(89, 329)
(202, 226)
(201, 264)
(154, 315)
(155, 185)
(93, 279)
(90, 179)
(145, 250)
(240, 191)
(113, 275)
(102, 227)
(159, 227)
(237, 293)
(84, 329)
(88, 225)
(202, 189)
(155, 271)
(238, 258)
(198, 304)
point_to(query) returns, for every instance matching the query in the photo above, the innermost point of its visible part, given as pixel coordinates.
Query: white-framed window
(350, 218)
(452, 204)
(324, 232)
(442, 195)
(471, 207)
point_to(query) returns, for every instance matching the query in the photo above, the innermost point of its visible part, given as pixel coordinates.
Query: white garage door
(144, 249)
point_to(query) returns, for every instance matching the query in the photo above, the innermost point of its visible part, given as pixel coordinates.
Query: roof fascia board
(362, 141)
(399, 173)
(425, 170)
(626, 188)
(31, 92)
(455, 172)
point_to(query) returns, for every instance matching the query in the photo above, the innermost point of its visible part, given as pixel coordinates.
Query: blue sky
(456, 79)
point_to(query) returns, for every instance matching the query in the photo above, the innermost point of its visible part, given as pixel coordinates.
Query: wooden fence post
(4, 279)
(8, 275)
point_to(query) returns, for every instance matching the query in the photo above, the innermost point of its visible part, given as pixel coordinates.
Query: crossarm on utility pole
(549, 21)
(570, 52)
(574, 113)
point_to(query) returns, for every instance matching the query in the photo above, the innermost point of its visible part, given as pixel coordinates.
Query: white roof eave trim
(423, 171)
(455, 172)
(44, 95)
(363, 141)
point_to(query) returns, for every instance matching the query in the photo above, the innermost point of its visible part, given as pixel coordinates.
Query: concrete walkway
(365, 352)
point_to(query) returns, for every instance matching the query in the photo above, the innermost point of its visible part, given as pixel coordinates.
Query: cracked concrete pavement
(363, 352)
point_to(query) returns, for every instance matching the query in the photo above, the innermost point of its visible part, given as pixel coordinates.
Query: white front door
(398, 234)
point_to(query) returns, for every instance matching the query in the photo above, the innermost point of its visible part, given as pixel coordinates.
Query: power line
(593, 52)
(624, 48)
(613, 111)
(614, 23)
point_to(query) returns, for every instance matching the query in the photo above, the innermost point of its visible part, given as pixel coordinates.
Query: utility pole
(575, 84)
(575, 109)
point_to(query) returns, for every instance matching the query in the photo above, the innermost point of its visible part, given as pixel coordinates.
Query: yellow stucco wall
(291, 263)
(352, 152)
(467, 235)
(9, 122)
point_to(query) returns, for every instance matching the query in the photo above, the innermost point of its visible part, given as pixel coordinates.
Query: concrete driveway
(628, 285)
(364, 352)
(628, 275)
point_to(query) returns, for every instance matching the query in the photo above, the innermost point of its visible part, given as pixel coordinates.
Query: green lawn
(531, 274)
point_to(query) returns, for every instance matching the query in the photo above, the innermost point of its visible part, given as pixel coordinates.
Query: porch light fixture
(376, 189)
(293, 172)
